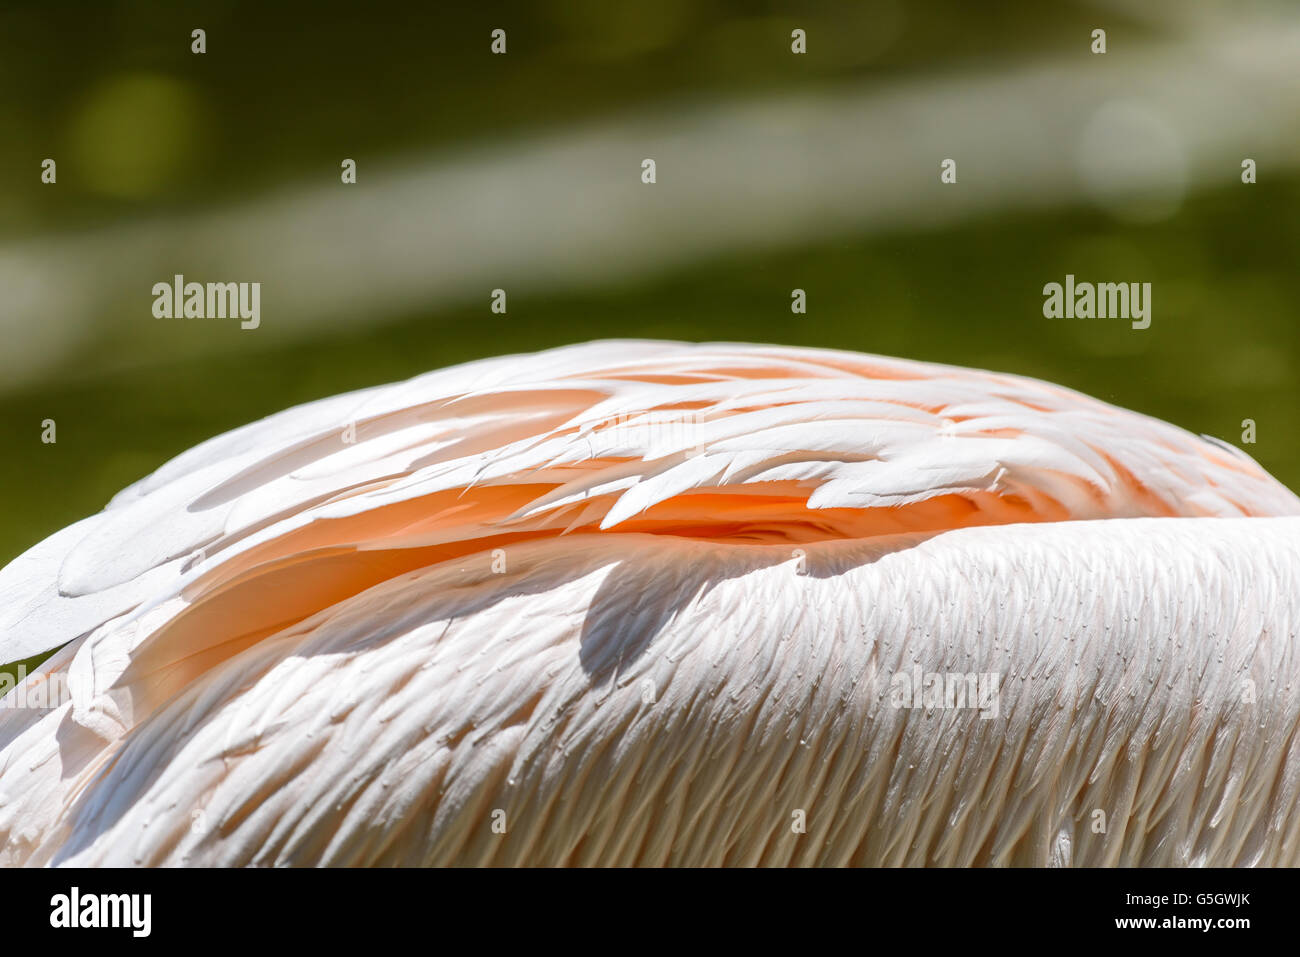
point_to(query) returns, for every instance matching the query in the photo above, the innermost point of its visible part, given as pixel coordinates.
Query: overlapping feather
(283, 555)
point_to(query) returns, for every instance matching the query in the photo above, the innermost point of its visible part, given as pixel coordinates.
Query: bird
(661, 604)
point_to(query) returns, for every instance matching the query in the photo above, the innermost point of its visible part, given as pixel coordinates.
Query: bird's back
(659, 603)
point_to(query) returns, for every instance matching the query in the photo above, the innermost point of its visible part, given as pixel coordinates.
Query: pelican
(658, 603)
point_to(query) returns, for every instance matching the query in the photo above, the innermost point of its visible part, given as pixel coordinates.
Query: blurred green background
(145, 132)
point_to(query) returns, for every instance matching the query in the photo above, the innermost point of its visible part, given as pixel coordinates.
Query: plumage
(646, 602)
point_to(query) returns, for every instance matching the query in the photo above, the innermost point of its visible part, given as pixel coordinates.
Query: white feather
(351, 632)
